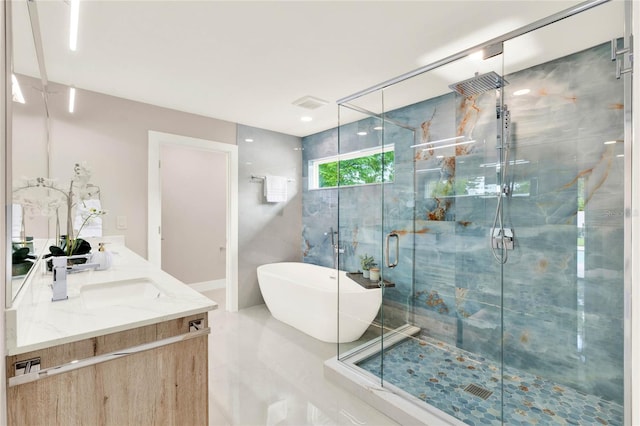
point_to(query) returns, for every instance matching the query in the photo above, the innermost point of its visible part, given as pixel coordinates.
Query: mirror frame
(5, 153)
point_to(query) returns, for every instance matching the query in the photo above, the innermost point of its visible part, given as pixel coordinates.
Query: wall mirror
(29, 122)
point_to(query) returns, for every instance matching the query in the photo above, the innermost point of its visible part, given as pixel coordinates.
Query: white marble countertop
(35, 322)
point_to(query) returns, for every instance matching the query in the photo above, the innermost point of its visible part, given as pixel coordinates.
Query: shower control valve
(502, 238)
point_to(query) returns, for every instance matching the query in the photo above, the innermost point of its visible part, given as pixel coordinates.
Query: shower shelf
(366, 282)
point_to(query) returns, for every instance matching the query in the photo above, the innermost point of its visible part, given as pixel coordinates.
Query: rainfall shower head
(479, 84)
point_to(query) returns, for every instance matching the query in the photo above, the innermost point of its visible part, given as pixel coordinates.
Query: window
(366, 166)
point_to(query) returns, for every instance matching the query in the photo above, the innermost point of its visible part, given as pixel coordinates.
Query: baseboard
(209, 285)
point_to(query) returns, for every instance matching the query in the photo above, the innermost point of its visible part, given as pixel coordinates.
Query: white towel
(93, 227)
(275, 189)
(16, 222)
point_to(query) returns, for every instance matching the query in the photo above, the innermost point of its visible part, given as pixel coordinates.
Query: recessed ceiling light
(610, 142)
(361, 133)
(620, 155)
(521, 92)
(73, 24)
(72, 99)
(248, 140)
(377, 128)
(16, 91)
(476, 56)
(306, 118)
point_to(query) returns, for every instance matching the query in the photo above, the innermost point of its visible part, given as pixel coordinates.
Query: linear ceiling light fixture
(433, 145)
(512, 163)
(448, 145)
(438, 141)
(72, 99)
(74, 17)
(16, 92)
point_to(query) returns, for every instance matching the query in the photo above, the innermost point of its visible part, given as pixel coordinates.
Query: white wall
(194, 184)
(268, 232)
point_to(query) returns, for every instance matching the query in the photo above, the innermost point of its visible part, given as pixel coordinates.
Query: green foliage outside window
(581, 192)
(375, 168)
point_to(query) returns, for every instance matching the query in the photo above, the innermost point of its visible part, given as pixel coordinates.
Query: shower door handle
(397, 256)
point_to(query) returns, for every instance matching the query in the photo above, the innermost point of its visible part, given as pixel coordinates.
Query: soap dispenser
(102, 257)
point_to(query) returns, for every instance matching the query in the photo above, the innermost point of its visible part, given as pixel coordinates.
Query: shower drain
(478, 391)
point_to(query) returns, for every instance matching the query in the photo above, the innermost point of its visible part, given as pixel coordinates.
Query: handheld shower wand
(501, 237)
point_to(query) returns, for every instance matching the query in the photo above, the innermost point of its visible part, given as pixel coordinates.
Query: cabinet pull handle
(74, 365)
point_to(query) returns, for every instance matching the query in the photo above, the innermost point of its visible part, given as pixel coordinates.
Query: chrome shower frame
(631, 220)
(488, 45)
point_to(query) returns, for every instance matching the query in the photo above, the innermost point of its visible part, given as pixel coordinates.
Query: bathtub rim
(353, 286)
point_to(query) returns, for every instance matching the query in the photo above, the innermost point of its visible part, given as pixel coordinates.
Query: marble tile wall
(562, 304)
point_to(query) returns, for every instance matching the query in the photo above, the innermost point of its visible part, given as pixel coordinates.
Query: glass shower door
(375, 214)
(364, 165)
(449, 293)
(439, 331)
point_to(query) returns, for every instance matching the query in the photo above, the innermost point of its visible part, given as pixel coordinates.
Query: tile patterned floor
(438, 374)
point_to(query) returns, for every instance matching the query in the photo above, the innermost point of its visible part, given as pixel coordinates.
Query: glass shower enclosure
(495, 218)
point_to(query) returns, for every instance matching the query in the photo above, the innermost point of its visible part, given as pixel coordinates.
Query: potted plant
(21, 261)
(75, 247)
(366, 262)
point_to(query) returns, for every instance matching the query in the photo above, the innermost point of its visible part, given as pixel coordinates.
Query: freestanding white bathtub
(305, 296)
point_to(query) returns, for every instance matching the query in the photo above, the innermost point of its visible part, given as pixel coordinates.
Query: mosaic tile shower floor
(439, 373)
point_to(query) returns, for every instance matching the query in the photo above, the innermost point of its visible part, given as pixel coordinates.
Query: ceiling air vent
(310, 102)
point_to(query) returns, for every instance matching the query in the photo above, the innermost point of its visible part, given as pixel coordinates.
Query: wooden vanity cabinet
(167, 385)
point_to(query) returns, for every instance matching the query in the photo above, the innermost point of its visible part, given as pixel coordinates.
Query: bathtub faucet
(336, 247)
(334, 236)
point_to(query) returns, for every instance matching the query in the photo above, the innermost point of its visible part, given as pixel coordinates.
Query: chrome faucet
(335, 245)
(61, 269)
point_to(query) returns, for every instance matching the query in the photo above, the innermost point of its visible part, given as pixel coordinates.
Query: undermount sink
(119, 292)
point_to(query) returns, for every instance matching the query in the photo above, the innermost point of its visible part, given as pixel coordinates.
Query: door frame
(154, 244)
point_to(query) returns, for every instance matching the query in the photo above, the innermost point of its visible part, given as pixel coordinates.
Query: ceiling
(247, 62)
